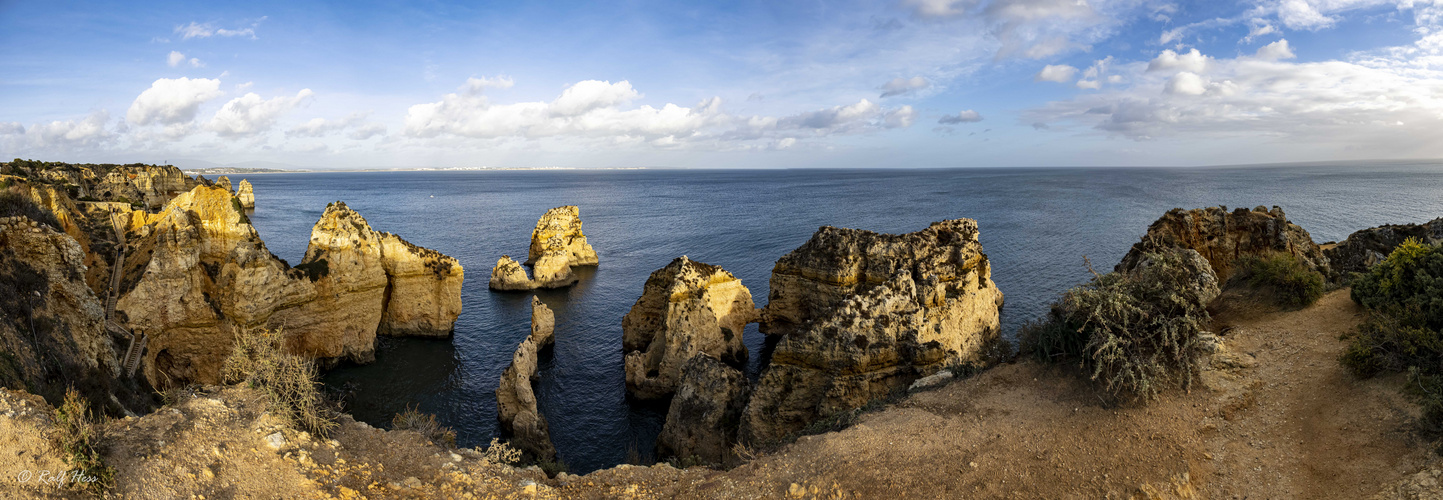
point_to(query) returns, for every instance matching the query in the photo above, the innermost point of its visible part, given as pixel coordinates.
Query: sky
(760, 84)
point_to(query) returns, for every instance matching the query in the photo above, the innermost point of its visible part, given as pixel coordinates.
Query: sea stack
(865, 314)
(703, 418)
(223, 182)
(245, 194)
(557, 245)
(515, 399)
(1222, 238)
(686, 308)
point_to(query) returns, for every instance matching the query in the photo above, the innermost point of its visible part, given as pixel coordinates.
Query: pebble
(276, 440)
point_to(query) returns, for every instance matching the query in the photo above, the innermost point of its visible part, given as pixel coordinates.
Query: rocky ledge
(1222, 238)
(1362, 249)
(686, 309)
(515, 399)
(865, 314)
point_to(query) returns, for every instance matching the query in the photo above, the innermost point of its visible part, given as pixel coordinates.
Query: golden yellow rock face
(209, 276)
(866, 313)
(515, 398)
(245, 194)
(564, 223)
(686, 308)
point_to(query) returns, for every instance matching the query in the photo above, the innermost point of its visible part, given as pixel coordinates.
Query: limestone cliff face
(223, 182)
(51, 330)
(865, 314)
(151, 186)
(245, 194)
(1222, 238)
(509, 275)
(423, 294)
(515, 398)
(686, 308)
(1362, 249)
(209, 276)
(564, 223)
(703, 418)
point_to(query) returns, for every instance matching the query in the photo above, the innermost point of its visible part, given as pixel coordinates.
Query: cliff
(865, 314)
(701, 423)
(685, 309)
(515, 399)
(1364, 248)
(1222, 238)
(423, 291)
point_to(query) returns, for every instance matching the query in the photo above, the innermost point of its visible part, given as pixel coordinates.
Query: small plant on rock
(78, 435)
(499, 452)
(1283, 277)
(259, 358)
(424, 423)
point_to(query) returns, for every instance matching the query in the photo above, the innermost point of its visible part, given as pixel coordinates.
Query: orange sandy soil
(1275, 417)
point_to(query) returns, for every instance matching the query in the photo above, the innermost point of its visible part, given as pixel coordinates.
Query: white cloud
(899, 86)
(1275, 51)
(592, 94)
(476, 85)
(11, 128)
(366, 131)
(249, 115)
(355, 122)
(939, 8)
(1186, 83)
(207, 30)
(1031, 29)
(966, 116)
(1060, 73)
(172, 101)
(176, 59)
(58, 135)
(1192, 61)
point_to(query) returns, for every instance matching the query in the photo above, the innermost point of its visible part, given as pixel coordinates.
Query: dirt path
(1278, 418)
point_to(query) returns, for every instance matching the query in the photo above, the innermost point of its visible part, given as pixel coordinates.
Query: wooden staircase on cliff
(136, 347)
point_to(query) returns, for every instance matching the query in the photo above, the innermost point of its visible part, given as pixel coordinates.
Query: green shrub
(424, 423)
(1410, 279)
(551, 467)
(288, 380)
(1138, 332)
(78, 435)
(1290, 283)
(1392, 342)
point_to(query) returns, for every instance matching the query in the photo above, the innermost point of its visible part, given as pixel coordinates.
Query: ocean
(1037, 225)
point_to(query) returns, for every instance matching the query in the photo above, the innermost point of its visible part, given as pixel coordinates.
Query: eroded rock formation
(516, 399)
(706, 411)
(556, 245)
(1362, 249)
(223, 182)
(564, 223)
(207, 275)
(1222, 238)
(866, 314)
(686, 308)
(245, 194)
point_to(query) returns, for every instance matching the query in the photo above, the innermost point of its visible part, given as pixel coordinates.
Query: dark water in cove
(1036, 226)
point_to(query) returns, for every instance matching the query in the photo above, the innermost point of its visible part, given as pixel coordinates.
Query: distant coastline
(247, 171)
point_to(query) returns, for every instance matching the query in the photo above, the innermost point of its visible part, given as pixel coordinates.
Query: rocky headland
(1364, 248)
(686, 309)
(1223, 237)
(557, 245)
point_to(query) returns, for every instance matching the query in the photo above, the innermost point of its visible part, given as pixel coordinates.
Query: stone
(1222, 238)
(938, 379)
(865, 314)
(1364, 248)
(276, 441)
(706, 411)
(223, 182)
(563, 223)
(551, 270)
(685, 309)
(516, 399)
(246, 195)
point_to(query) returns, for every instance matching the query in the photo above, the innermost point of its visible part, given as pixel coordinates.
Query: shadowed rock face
(865, 314)
(1370, 246)
(208, 276)
(706, 411)
(515, 399)
(685, 309)
(1222, 238)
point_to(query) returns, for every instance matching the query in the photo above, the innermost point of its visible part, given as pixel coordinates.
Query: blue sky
(905, 83)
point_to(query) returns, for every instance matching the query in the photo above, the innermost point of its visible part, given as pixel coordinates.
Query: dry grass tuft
(289, 380)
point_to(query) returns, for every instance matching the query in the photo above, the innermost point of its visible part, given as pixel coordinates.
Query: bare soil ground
(1277, 417)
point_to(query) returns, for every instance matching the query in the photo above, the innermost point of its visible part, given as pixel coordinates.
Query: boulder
(509, 275)
(686, 308)
(516, 399)
(864, 315)
(245, 194)
(706, 411)
(1222, 238)
(563, 223)
(1362, 249)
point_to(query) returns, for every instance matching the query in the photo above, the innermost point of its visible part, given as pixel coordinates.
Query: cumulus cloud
(966, 116)
(172, 101)
(899, 86)
(477, 85)
(176, 59)
(250, 115)
(11, 128)
(1031, 29)
(1060, 73)
(58, 135)
(359, 128)
(207, 30)
(1192, 61)
(1275, 51)
(1329, 102)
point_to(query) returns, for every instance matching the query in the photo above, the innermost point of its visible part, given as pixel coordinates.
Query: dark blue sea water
(1036, 226)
